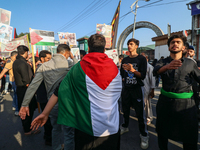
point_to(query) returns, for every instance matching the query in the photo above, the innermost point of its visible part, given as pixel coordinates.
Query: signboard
(24, 38)
(105, 30)
(11, 46)
(5, 16)
(52, 49)
(76, 53)
(82, 47)
(113, 55)
(67, 38)
(195, 8)
(46, 37)
(5, 33)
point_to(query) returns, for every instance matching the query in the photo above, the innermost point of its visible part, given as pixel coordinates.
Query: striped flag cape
(88, 96)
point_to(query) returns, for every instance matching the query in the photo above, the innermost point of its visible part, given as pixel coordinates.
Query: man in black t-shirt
(133, 71)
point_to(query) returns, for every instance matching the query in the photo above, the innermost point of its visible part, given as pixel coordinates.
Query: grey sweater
(52, 72)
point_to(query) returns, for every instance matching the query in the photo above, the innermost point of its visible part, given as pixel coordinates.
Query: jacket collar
(21, 58)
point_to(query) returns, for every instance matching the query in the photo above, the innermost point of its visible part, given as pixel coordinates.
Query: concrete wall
(161, 51)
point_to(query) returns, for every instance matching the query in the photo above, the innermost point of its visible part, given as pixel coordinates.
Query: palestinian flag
(88, 96)
(40, 37)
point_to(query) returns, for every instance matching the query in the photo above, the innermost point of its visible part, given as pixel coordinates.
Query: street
(12, 137)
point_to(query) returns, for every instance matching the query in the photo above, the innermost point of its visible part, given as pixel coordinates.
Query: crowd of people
(81, 99)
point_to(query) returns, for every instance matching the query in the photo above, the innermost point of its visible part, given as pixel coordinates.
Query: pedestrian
(23, 75)
(133, 71)
(185, 51)
(176, 111)
(9, 68)
(44, 56)
(82, 54)
(121, 57)
(149, 86)
(88, 99)
(195, 85)
(52, 72)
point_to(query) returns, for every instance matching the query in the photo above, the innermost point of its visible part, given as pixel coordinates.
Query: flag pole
(33, 58)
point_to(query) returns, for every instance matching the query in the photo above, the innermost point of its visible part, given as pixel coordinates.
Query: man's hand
(128, 67)
(29, 56)
(39, 121)
(23, 112)
(174, 64)
(71, 55)
(151, 94)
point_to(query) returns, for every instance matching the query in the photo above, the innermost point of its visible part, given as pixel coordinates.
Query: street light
(135, 13)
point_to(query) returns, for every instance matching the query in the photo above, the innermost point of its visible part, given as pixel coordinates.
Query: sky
(81, 17)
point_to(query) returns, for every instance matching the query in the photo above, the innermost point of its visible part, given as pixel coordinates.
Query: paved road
(12, 137)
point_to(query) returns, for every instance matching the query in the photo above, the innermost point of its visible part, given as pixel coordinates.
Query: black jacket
(22, 71)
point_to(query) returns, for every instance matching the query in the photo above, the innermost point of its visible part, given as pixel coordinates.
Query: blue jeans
(15, 102)
(57, 133)
(7, 81)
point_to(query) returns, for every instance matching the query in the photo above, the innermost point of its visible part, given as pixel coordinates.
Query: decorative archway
(138, 25)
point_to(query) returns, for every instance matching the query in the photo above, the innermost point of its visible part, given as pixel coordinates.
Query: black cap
(191, 47)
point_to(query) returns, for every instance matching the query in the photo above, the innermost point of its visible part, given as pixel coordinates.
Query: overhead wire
(91, 13)
(126, 15)
(147, 5)
(169, 3)
(81, 12)
(94, 7)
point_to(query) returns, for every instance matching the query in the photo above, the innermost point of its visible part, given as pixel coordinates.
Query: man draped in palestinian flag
(88, 100)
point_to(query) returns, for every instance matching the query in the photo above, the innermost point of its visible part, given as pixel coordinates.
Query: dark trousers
(85, 141)
(196, 98)
(26, 123)
(163, 142)
(134, 98)
(47, 125)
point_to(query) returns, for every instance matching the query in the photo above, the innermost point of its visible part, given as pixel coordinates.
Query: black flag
(115, 22)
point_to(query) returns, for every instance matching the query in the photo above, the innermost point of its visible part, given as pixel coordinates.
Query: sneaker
(148, 122)
(144, 141)
(13, 108)
(16, 113)
(123, 130)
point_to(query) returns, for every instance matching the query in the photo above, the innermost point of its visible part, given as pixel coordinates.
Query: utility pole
(135, 13)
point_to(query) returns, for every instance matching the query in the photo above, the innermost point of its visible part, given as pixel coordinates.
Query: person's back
(23, 75)
(93, 88)
(52, 72)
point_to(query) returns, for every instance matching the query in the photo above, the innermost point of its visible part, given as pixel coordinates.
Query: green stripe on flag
(74, 106)
(46, 43)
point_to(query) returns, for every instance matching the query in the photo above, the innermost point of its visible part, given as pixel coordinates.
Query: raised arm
(32, 88)
(43, 117)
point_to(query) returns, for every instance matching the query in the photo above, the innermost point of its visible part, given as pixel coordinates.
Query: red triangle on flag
(37, 55)
(35, 38)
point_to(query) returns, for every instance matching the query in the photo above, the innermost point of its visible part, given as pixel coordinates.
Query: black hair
(186, 45)
(154, 62)
(137, 42)
(97, 43)
(13, 53)
(82, 52)
(22, 49)
(62, 48)
(121, 56)
(44, 53)
(176, 36)
(36, 59)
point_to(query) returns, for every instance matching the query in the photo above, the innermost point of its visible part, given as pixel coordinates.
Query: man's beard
(175, 52)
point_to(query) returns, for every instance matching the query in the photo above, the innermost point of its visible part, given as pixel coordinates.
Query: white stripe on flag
(104, 106)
